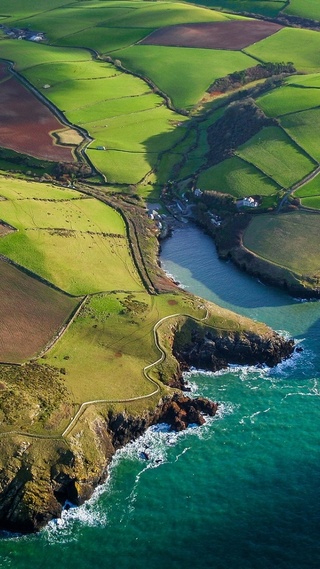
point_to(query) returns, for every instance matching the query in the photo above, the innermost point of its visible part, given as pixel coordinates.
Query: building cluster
(247, 202)
(22, 34)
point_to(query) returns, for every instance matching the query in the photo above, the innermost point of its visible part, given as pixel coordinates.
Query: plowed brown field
(232, 35)
(26, 123)
(30, 313)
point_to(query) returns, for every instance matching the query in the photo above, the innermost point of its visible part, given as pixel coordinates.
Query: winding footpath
(86, 404)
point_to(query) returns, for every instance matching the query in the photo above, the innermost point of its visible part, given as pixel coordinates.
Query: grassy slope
(302, 47)
(238, 178)
(68, 243)
(289, 99)
(299, 228)
(304, 9)
(273, 152)
(304, 128)
(264, 7)
(183, 73)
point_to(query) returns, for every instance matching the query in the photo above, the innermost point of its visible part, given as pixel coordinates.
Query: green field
(238, 178)
(302, 47)
(304, 128)
(277, 156)
(294, 233)
(264, 7)
(183, 74)
(80, 245)
(15, 189)
(304, 9)
(122, 167)
(310, 189)
(289, 99)
(312, 202)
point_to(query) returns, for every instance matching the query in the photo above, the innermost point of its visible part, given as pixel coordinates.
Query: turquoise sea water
(242, 492)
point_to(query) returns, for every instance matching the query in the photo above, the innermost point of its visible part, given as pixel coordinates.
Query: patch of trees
(71, 170)
(261, 71)
(241, 121)
(216, 201)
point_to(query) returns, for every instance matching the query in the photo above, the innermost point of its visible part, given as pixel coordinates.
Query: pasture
(238, 178)
(304, 127)
(122, 167)
(288, 99)
(31, 314)
(304, 9)
(295, 233)
(264, 7)
(277, 156)
(302, 47)
(80, 245)
(106, 348)
(182, 73)
(311, 189)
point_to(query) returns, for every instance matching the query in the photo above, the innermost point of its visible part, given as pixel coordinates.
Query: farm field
(171, 69)
(303, 127)
(21, 114)
(311, 189)
(264, 7)
(275, 154)
(289, 99)
(300, 228)
(311, 202)
(238, 178)
(31, 313)
(310, 9)
(302, 47)
(309, 194)
(79, 245)
(234, 35)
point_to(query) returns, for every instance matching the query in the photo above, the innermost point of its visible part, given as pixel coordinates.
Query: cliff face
(213, 351)
(38, 475)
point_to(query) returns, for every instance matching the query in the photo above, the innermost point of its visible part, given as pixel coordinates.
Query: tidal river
(242, 492)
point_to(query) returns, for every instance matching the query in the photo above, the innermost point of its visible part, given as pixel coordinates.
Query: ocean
(241, 492)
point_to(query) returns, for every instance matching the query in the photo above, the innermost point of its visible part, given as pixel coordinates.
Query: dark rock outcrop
(40, 475)
(213, 352)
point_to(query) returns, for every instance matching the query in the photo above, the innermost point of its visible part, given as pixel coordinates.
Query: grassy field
(304, 9)
(122, 167)
(300, 229)
(116, 333)
(80, 245)
(302, 47)
(264, 7)
(304, 128)
(31, 314)
(17, 189)
(238, 178)
(273, 152)
(289, 99)
(176, 71)
(312, 202)
(310, 189)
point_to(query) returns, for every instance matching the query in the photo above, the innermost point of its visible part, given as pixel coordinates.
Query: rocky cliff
(39, 475)
(213, 350)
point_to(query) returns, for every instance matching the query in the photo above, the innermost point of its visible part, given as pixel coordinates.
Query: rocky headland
(39, 474)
